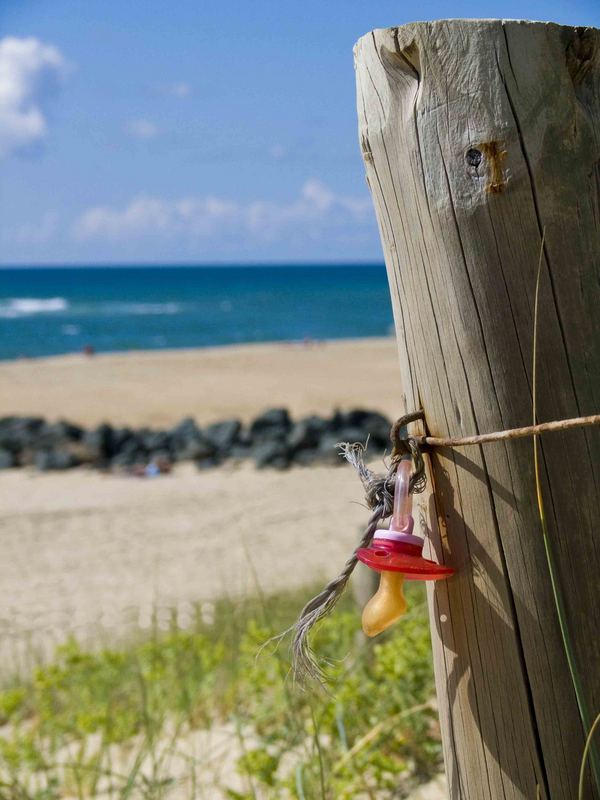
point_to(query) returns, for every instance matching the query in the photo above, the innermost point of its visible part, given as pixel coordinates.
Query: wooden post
(477, 136)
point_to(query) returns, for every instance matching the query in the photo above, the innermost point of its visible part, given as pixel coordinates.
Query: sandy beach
(158, 388)
(93, 554)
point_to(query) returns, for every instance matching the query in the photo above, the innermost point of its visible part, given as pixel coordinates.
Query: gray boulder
(54, 459)
(184, 429)
(57, 433)
(273, 454)
(155, 440)
(273, 425)
(7, 459)
(99, 442)
(240, 451)
(304, 458)
(19, 433)
(194, 450)
(132, 451)
(223, 435)
(306, 434)
(187, 442)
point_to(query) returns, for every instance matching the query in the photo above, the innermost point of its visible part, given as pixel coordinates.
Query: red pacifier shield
(388, 556)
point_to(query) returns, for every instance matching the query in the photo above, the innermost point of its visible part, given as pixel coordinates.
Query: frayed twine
(379, 495)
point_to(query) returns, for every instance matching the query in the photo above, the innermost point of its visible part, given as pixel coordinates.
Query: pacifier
(397, 555)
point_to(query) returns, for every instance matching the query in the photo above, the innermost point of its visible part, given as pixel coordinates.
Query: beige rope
(514, 433)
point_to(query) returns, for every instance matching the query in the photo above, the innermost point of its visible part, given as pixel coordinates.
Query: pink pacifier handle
(402, 499)
(401, 524)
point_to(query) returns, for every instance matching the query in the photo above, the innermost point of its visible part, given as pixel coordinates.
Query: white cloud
(313, 215)
(179, 89)
(142, 129)
(142, 216)
(315, 193)
(278, 151)
(30, 75)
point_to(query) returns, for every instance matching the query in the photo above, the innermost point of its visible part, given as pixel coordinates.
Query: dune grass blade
(317, 743)
(556, 593)
(300, 783)
(586, 750)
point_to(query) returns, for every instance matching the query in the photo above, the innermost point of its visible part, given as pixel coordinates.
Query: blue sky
(191, 131)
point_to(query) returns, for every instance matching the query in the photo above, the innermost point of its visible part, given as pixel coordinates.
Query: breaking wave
(141, 309)
(15, 307)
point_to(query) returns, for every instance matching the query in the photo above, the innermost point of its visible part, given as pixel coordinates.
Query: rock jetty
(272, 440)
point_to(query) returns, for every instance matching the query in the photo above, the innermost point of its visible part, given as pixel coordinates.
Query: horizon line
(194, 264)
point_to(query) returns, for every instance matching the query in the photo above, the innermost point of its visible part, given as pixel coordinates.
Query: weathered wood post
(477, 136)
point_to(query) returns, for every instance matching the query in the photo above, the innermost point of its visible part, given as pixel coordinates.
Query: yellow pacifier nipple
(386, 606)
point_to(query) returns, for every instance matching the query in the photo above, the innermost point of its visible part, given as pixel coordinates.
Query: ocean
(53, 310)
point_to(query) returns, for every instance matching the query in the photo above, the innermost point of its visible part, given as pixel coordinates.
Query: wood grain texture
(477, 136)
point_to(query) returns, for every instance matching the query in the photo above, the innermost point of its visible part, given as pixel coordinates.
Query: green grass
(376, 731)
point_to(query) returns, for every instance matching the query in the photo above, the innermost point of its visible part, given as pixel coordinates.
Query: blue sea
(48, 311)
